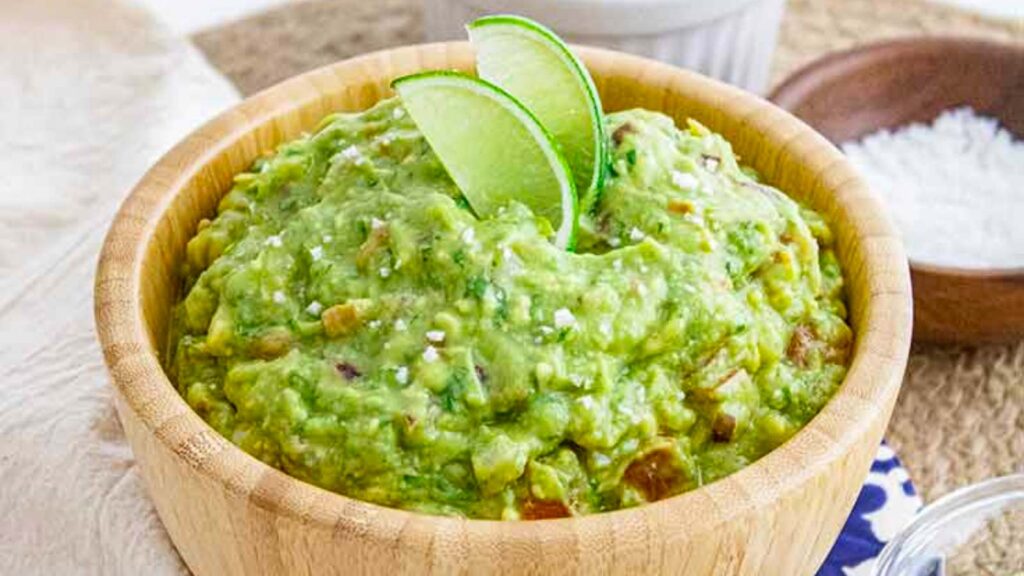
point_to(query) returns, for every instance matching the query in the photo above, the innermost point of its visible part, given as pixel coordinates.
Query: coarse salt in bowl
(953, 186)
(730, 40)
(939, 120)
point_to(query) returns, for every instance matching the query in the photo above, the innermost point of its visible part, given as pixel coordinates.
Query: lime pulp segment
(537, 68)
(495, 150)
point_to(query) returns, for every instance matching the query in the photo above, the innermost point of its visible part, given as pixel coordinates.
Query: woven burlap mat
(960, 417)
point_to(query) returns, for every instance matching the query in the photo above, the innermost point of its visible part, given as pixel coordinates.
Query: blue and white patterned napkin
(886, 504)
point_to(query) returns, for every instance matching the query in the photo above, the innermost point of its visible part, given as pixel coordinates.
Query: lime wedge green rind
(494, 149)
(537, 68)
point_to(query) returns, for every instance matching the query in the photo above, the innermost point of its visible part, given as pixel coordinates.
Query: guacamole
(347, 319)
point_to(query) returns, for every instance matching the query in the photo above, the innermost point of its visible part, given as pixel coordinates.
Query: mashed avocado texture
(347, 319)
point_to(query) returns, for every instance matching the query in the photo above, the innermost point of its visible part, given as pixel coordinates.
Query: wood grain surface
(230, 514)
(850, 94)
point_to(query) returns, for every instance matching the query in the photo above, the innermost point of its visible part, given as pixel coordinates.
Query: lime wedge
(536, 67)
(493, 148)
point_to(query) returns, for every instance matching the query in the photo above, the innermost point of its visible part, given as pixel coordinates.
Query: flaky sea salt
(955, 188)
(430, 354)
(352, 153)
(684, 181)
(402, 374)
(564, 318)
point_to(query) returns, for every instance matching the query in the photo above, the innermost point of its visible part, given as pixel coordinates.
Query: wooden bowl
(228, 513)
(850, 94)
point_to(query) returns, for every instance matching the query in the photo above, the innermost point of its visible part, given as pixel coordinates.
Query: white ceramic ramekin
(731, 40)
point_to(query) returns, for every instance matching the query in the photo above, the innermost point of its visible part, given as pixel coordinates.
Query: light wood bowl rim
(881, 349)
(838, 63)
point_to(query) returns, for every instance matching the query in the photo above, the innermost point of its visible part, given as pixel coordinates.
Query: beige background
(92, 92)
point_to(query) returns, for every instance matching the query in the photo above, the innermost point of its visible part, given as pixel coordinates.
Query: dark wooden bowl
(849, 94)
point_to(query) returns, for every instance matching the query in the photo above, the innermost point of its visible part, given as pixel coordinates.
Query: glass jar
(978, 529)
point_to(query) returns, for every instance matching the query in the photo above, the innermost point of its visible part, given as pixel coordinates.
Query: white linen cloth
(92, 92)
